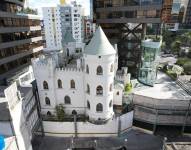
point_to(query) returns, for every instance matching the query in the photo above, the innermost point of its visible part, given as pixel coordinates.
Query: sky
(38, 4)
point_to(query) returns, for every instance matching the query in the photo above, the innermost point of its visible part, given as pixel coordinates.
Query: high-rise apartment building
(91, 9)
(174, 13)
(20, 38)
(58, 20)
(124, 22)
(188, 14)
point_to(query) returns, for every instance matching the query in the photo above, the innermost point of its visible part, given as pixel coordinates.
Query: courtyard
(132, 140)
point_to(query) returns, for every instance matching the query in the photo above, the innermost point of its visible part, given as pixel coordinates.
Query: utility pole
(186, 116)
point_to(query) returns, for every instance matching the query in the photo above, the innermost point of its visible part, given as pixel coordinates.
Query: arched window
(99, 70)
(74, 112)
(110, 87)
(117, 93)
(59, 84)
(88, 104)
(49, 113)
(99, 107)
(111, 68)
(87, 69)
(110, 103)
(45, 85)
(88, 89)
(99, 90)
(47, 101)
(72, 84)
(67, 100)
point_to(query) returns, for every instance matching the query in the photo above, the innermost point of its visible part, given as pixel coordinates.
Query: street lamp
(95, 142)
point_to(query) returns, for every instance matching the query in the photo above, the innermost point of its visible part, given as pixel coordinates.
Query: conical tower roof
(99, 44)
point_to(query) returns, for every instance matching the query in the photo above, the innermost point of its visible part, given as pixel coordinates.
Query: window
(72, 84)
(45, 85)
(99, 70)
(49, 113)
(110, 87)
(88, 89)
(117, 93)
(74, 112)
(99, 90)
(59, 83)
(110, 104)
(88, 104)
(111, 69)
(67, 100)
(47, 101)
(99, 107)
(87, 69)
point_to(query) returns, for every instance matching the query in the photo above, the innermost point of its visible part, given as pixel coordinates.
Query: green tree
(175, 46)
(60, 112)
(189, 53)
(167, 38)
(128, 87)
(182, 61)
(187, 68)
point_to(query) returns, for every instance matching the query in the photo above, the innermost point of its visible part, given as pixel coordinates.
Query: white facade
(20, 102)
(84, 85)
(87, 129)
(58, 20)
(52, 25)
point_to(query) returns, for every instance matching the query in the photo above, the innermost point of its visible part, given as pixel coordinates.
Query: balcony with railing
(119, 3)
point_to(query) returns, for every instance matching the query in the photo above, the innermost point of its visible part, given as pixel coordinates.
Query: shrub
(128, 87)
(187, 67)
(182, 61)
(60, 112)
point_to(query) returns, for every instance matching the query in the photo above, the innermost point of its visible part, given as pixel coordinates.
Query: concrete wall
(87, 129)
(5, 128)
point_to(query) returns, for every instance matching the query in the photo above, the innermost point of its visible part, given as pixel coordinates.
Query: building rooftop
(25, 90)
(2, 94)
(4, 111)
(165, 88)
(99, 44)
(178, 146)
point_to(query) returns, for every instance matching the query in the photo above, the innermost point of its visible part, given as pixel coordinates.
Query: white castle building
(84, 84)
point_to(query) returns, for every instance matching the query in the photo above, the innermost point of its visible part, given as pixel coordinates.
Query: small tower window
(49, 113)
(74, 112)
(88, 89)
(87, 69)
(72, 84)
(99, 90)
(45, 85)
(67, 100)
(111, 68)
(110, 87)
(47, 101)
(99, 107)
(59, 83)
(88, 104)
(110, 104)
(99, 70)
(117, 93)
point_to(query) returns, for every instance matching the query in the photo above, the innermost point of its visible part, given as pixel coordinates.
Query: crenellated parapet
(69, 69)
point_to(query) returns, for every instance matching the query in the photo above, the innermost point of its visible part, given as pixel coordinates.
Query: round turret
(99, 57)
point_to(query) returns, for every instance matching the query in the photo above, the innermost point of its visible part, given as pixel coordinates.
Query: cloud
(38, 4)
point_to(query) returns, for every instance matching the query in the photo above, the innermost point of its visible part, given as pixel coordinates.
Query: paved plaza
(132, 140)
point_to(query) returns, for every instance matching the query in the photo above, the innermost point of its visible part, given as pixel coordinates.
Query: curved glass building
(148, 67)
